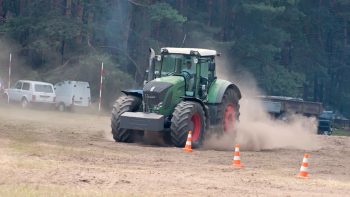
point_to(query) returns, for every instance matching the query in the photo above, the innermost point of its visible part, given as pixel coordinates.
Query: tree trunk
(319, 23)
(68, 8)
(210, 6)
(68, 13)
(63, 46)
(80, 12)
(21, 7)
(126, 32)
(345, 41)
(1, 11)
(89, 35)
(180, 6)
(56, 6)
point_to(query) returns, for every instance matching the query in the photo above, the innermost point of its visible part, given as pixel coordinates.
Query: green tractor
(181, 93)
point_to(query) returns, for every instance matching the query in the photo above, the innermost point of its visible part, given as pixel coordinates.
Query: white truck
(71, 94)
(28, 92)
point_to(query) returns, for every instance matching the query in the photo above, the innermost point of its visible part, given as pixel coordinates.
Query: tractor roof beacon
(181, 93)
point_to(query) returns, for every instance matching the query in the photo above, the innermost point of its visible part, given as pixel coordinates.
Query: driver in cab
(188, 70)
(188, 73)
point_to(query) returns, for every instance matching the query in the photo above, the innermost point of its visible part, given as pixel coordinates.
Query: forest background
(297, 48)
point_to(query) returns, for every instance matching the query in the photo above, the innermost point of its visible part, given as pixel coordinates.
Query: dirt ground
(46, 153)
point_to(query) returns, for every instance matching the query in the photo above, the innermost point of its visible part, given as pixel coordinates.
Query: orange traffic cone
(304, 167)
(188, 146)
(236, 162)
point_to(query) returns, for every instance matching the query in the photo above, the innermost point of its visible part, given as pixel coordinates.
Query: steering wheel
(170, 73)
(187, 73)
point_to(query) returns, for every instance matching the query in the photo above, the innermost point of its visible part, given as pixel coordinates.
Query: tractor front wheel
(121, 105)
(188, 116)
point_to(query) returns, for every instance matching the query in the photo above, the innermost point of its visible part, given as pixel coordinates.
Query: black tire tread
(121, 105)
(180, 120)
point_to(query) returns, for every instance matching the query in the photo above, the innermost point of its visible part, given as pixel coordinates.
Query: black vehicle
(325, 123)
(325, 127)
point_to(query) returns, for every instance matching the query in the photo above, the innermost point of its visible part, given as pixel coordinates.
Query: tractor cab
(195, 66)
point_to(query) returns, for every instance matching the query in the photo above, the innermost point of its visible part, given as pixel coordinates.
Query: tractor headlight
(160, 105)
(157, 107)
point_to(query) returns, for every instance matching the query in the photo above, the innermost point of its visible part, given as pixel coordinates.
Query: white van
(72, 93)
(31, 92)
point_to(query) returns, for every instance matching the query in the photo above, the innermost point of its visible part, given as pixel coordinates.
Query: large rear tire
(188, 116)
(121, 105)
(228, 113)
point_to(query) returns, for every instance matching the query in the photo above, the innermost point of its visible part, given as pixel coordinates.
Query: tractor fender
(132, 92)
(205, 107)
(217, 91)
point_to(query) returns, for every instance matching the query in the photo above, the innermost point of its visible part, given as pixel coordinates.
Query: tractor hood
(158, 94)
(162, 84)
(170, 79)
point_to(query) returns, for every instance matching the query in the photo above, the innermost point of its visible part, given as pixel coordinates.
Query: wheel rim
(229, 117)
(197, 125)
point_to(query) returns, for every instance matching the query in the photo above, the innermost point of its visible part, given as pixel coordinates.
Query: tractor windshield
(176, 64)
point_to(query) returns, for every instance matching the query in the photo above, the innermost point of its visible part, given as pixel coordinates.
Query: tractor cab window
(181, 65)
(171, 64)
(189, 72)
(206, 76)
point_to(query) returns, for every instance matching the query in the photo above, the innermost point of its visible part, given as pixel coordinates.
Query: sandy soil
(46, 153)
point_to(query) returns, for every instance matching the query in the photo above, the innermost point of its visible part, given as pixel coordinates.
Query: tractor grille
(154, 93)
(151, 98)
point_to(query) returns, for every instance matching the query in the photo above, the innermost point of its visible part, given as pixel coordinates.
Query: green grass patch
(341, 132)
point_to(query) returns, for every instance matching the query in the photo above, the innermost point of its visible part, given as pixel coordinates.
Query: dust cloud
(257, 130)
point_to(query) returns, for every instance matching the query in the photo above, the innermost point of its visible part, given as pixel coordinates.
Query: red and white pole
(101, 82)
(9, 81)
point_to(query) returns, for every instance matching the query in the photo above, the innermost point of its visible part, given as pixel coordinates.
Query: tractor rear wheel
(121, 105)
(228, 113)
(188, 116)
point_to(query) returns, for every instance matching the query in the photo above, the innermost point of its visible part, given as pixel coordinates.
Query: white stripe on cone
(303, 169)
(236, 158)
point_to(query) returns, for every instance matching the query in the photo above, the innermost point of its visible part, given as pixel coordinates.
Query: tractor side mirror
(212, 67)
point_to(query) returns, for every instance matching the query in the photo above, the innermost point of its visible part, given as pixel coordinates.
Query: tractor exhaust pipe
(151, 65)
